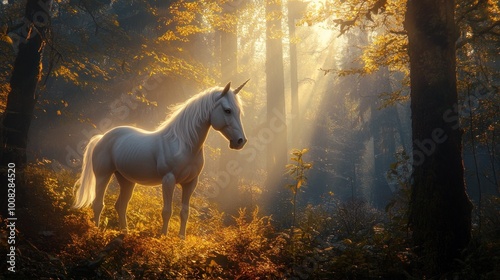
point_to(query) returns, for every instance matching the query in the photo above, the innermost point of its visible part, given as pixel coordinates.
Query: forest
(360, 139)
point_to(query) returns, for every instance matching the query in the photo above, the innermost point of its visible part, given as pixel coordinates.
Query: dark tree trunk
(440, 210)
(23, 83)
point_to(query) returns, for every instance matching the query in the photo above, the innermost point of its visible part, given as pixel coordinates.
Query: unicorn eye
(227, 111)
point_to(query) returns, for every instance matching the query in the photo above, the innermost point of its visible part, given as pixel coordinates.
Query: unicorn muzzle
(238, 144)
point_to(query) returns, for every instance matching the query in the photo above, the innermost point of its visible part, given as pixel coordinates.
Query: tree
(440, 211)
(26, 73)
(295, 11)
(229, 72)
(22, 97)
(383, 131)
(478, 82)
(275, 87)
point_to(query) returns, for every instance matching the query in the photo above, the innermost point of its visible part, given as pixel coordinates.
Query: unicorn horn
(240, 87)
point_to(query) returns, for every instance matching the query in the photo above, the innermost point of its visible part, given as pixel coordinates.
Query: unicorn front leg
(168, 186)
(187, 191)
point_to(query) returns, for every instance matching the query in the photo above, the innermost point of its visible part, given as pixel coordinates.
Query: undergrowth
(333, 240)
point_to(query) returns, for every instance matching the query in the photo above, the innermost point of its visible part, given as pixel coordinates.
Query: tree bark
(440, 210)
(22, 97)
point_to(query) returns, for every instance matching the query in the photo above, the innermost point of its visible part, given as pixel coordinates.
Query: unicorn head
(226, 114)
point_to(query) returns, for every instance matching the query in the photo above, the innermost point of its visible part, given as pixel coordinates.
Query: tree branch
(486, 30)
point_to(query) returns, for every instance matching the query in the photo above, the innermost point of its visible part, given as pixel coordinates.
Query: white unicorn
(172, 154)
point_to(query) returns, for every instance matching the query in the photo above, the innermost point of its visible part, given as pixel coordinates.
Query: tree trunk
(275, 88)
(229, 55)
(23, 83)
(383, 151)
(25, 76)
(228, 198)
(440, 210)
(296, 10)
(384, 143)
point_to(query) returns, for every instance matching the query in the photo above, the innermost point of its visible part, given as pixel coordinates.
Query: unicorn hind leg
(126, 190)
(100, 189)
(168, 186)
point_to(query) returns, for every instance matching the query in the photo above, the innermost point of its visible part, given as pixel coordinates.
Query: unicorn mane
(185, 118)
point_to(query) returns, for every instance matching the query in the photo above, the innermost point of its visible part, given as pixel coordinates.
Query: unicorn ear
(226, 89)
(240, 87)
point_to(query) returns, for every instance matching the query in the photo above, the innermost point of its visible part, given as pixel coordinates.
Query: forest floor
(54, 241)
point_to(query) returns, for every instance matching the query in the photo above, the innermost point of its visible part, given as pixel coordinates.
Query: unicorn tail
(85, 185)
